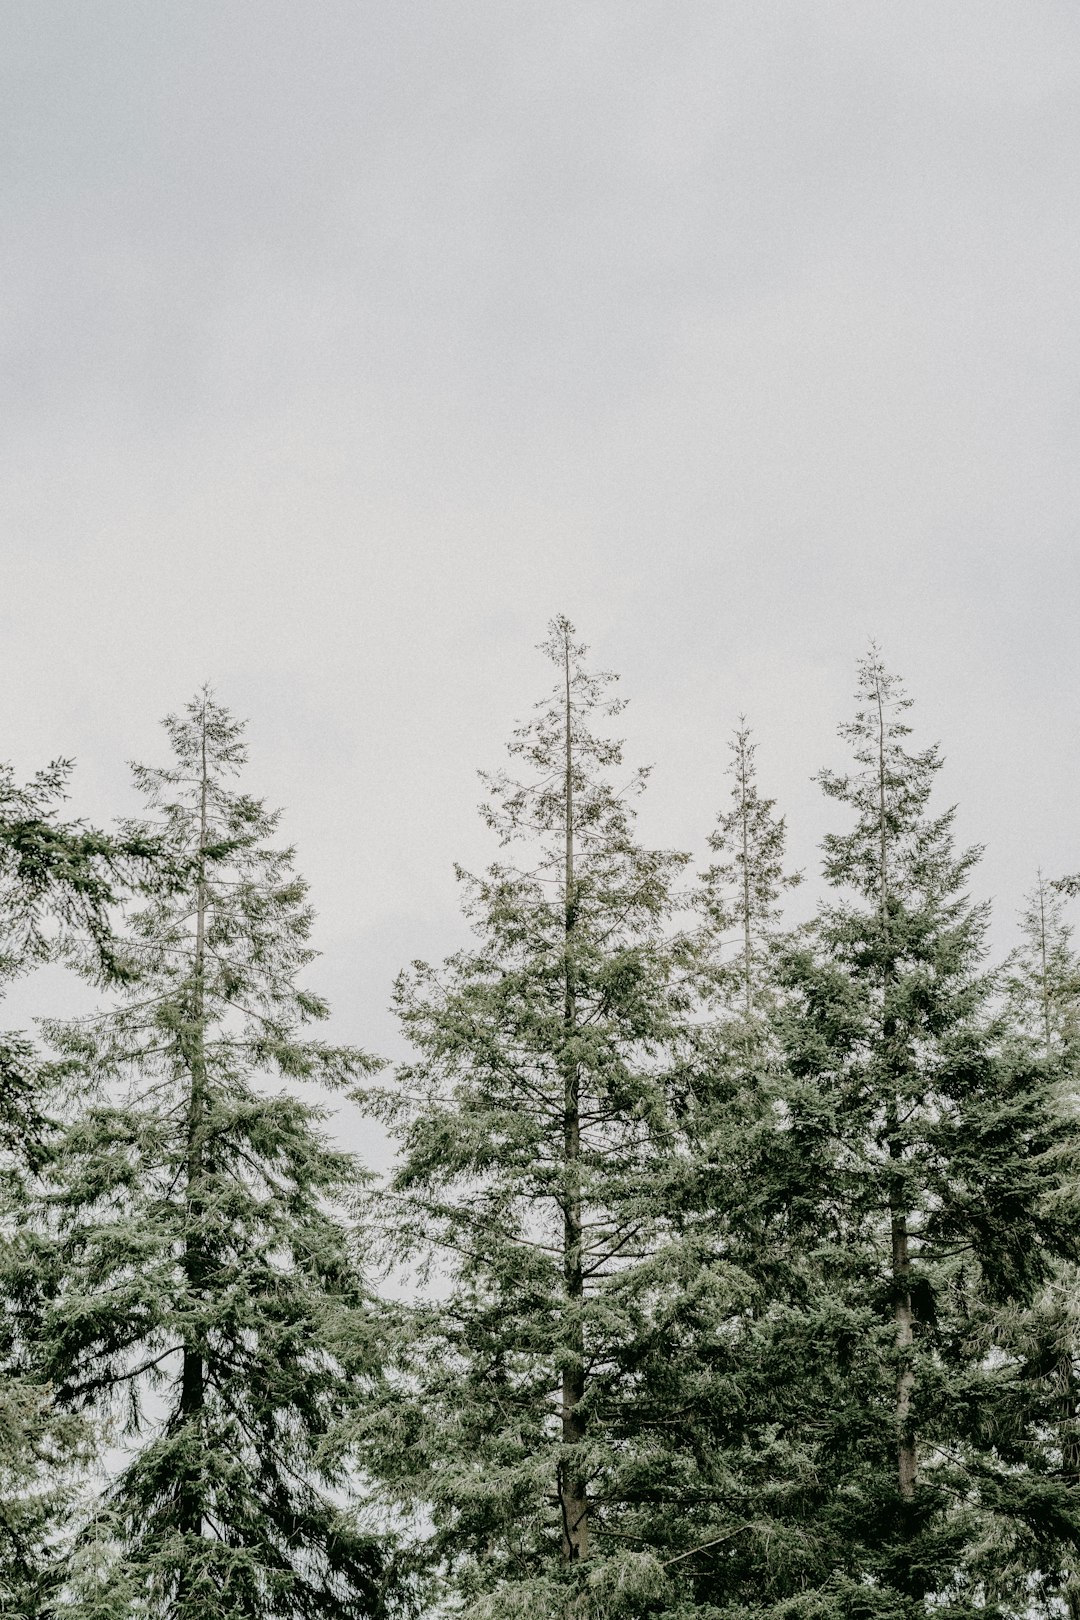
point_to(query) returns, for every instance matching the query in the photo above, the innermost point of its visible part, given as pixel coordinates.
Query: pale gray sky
(345, 342)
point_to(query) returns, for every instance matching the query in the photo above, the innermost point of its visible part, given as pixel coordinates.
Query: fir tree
(58, 883)
(933, 1147)
(741, 894)
(1043, 978)
(536, 1126)
(717, 1370)
(1043, 999)
(205, 1296)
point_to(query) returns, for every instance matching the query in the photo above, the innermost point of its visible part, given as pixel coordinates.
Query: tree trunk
(743, 820)
(1069, 1397)
(903, 1316)
(907, 1459)
(1044, 982)
(193, 1374)
(573, 1498)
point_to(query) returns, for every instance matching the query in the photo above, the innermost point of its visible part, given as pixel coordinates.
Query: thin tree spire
(573, 1497)
(742, 765)
(883, 690)
(741, 892)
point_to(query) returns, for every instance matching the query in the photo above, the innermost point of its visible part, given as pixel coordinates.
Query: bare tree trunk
(903, 1315)
(573, 1498)
(1069, 1429)
(747, 951)
(1044, 984)
(193, 1373)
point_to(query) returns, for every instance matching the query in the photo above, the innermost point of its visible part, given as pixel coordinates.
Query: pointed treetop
(744, 886)
(882, 700)
(1043, 979)
(207, 730)
(561, 730)
(560, 642)
(896, 845)
(587, 688)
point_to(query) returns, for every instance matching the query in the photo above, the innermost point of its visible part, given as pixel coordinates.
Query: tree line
(726, 1267)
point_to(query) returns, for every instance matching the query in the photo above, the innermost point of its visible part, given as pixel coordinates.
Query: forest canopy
(727, 1265)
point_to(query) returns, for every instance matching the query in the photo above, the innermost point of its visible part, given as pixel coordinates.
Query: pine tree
(933, 1144)
(695, 1494)
(1043, 979)
(58, 883)
(205, 1297)
(1043, 998)
(536, 1126)
(741, 894)
(719, 1367)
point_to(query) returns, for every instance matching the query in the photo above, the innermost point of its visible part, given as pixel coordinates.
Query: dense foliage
(732, 1266)
(58, 883)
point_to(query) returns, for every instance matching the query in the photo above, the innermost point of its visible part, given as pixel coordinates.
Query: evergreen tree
(57, 885)
(721, 1366)
(933, 1145)
(537, 1124)
(741, 896)
(1043, 999)
(1043, 978)
(204, 1293)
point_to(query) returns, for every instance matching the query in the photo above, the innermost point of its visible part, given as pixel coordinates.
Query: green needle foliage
(709, 1432)
(58, 883)
(934, 1146)
(537, 1128)
(740, 896)
(205, 1298)
(1043, 1002)
(748, 1257)
(1043, 982)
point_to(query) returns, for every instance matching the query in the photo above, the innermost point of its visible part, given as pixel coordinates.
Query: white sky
(344, 343)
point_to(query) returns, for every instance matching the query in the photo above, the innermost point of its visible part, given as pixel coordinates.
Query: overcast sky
(346, 341)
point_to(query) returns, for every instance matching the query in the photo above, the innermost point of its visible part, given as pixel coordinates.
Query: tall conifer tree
(719, 1365)
(205, 1293)
(933, 1147)
(1042, 987)
(58, 883)
(1042, 982)
(536, 1125)
(742, 892)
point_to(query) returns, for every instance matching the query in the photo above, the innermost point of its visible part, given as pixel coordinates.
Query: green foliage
(1042, 980)
(1042, 990)
(204, 1299)
(746, 1257)
(58, 882)
(937, 1151)
(741, 893)
(536, 1126)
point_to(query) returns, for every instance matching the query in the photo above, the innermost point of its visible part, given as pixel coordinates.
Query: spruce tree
(1043, 979)
(58, 884)
(205, 1297)
(537, 1125)
(934, 1148)
(1042, 988)
(741, 895)
(717, 1366)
